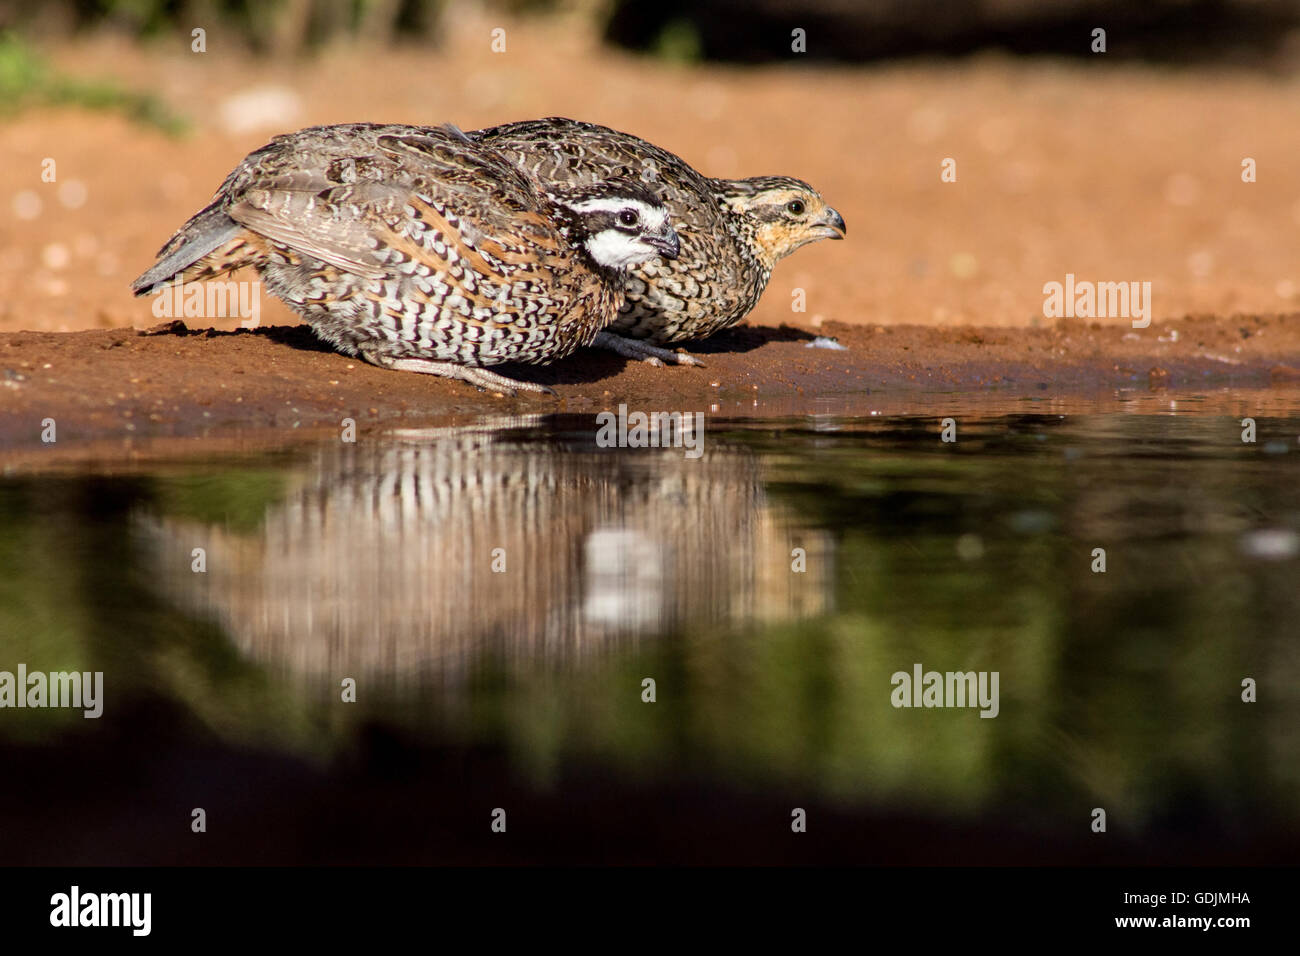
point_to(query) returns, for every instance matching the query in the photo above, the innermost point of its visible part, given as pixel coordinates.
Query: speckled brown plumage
(733, 231)
(421, 250)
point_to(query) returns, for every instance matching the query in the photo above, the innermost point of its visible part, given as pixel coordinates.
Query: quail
(421, 250)
(733, 231)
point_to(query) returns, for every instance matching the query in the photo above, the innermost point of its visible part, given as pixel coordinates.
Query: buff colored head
(782, 213)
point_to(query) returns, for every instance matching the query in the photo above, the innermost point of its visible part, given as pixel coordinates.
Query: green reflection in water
(1119, 689)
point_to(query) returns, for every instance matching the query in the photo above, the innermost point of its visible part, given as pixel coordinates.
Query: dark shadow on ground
(584, 367)
(746, 338)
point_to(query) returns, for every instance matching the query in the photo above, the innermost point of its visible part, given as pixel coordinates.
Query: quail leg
(479, 377)
(643, 351)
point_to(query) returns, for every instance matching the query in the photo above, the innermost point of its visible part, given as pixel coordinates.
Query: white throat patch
(614, 249)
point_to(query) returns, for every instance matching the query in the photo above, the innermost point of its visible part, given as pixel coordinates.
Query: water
(500, 592)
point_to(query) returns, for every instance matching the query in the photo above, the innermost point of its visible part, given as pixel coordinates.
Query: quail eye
(627, 217)
(795, 207)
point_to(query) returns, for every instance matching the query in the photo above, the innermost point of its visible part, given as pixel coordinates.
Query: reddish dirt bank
(125, 383)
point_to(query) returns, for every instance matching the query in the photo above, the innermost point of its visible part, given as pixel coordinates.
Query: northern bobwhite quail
(420, 250)
(733, 231)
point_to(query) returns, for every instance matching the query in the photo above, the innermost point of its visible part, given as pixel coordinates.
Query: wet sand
(269, 385)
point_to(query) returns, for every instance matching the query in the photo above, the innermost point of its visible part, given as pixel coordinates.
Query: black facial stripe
(594, 222)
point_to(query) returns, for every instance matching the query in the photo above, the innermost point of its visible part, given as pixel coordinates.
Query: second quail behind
(733, 231)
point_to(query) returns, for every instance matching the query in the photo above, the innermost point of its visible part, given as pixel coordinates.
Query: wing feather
(345, 198)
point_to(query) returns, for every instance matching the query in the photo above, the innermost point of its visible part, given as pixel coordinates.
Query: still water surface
(513, 585)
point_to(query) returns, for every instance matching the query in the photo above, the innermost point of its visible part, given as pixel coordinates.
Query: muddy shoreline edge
(184, 383)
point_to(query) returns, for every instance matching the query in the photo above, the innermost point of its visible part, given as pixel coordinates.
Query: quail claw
(643, 351)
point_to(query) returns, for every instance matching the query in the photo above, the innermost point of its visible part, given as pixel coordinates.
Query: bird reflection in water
(407, 559)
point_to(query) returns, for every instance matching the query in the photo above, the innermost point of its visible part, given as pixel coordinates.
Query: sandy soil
(1117, 173)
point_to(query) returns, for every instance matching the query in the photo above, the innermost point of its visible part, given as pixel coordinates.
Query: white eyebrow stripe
(611, 204)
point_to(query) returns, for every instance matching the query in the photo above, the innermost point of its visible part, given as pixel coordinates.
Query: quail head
(421, 250)
(733, 231)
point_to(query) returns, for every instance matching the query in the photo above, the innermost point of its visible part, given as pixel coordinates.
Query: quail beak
(666, 245)
(831, 224)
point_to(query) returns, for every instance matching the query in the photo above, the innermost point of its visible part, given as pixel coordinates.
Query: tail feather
(206, 232)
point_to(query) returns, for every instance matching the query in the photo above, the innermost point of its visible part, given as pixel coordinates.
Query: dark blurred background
(750, 31)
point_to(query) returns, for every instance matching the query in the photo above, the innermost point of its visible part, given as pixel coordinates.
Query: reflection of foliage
(26, 80)
(1126, 684)
(1117, 689)
(39, 625)
(75, 595)
(233, 500)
